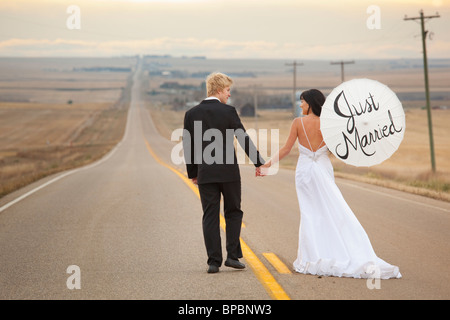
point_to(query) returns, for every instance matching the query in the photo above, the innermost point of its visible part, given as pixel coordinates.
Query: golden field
(53, 119)
(48, 139)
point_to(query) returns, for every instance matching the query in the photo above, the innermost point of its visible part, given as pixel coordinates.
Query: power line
(427, 89)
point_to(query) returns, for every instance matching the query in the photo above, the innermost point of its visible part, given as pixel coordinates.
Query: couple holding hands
(332, 242)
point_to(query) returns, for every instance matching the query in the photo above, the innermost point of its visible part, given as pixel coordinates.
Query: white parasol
(362, 122)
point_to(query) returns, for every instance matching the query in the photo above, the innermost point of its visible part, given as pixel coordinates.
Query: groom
(211, 164)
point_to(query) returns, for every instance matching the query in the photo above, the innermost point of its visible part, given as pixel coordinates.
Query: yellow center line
(262, 273)
(276, 263)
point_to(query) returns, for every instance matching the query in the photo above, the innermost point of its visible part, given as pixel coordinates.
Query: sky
(239, 29)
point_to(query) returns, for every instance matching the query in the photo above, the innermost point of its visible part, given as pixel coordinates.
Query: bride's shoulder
(309, 119)
(297, 122)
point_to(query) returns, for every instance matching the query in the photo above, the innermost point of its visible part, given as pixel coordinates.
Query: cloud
(165, 45)
(284, 29)
(216, 48)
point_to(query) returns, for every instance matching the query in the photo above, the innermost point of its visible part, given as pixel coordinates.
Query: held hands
(262, 170)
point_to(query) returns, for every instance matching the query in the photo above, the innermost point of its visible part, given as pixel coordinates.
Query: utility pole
(427, 89)
(255, 102)
(342, 67)
(295, 64)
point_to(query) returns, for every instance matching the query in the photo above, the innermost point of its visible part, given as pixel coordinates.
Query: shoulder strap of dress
(306, 134)
(308, 138)
(320, 145)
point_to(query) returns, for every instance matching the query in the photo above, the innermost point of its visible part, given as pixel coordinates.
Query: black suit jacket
(211, 157)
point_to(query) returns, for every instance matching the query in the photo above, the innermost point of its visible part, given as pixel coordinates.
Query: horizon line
(169, 56)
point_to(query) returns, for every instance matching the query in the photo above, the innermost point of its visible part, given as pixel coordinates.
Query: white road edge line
(394, 197)
(9, 204)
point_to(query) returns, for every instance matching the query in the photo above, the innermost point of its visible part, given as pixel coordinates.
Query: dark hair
(315, 100)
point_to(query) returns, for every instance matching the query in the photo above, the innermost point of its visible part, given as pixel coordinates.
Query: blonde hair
(216, 82)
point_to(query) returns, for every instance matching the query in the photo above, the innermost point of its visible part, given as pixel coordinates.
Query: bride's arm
(284, 151)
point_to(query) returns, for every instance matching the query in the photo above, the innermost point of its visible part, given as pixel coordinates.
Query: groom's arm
(188, 148)
(245, 141)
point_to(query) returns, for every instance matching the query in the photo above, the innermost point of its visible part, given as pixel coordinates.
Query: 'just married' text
(352, 138)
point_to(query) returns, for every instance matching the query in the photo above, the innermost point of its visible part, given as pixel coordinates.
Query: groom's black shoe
(213, 269)
(234, 264)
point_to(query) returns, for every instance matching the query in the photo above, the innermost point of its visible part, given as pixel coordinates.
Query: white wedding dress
(332, 242)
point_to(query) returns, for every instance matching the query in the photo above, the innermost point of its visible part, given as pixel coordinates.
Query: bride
(332, 242)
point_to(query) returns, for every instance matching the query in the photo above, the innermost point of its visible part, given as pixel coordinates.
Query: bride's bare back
(309, 124)
(309, 128)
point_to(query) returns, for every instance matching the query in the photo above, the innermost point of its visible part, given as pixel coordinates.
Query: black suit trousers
(210, 195)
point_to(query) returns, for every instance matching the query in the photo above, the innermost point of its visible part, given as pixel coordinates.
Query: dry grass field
(53, 119)
(38, 140)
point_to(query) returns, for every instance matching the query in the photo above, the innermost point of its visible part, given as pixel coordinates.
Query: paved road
(133, 227)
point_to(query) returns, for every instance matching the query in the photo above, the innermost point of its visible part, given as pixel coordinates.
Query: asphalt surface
(132, 226)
